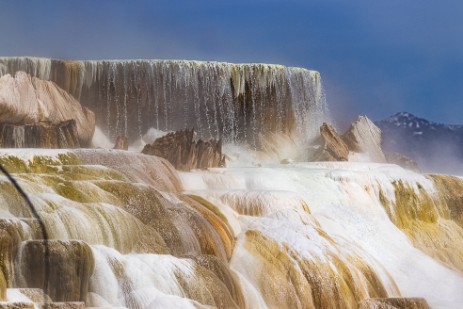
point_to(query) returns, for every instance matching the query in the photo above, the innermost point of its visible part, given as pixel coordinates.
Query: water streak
(236, 102)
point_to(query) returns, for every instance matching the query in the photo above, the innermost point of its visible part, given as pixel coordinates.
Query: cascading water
(337, 230)
(128, 231)
(294, 236)
(18, 137)
(235, 102)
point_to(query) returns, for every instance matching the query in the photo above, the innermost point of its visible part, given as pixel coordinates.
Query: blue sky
(376, 57)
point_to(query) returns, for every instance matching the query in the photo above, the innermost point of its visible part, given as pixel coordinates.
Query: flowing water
(302, 235)
(235, 102)
(128, 231)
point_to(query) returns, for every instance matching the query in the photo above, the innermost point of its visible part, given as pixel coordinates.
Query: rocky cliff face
(233, 102)
(26, 100)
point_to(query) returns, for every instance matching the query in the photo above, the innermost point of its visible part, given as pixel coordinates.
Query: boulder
(30, 101)
(185, 153)
(364, 136)
(332, 146)
(122, 143)
(41, 135)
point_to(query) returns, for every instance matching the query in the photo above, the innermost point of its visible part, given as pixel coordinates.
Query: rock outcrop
(41, 135)
(364, 136)
(122, 143)
(185, 153)
(332, 146)
(66, 305)
(26, 100)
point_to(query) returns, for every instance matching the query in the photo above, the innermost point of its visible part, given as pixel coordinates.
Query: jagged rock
(122, 143)
(402, 160)
(71, 265)
(180, 149)
(394, 303)
(364, 136)
(30, 101)
(332, 146)
(41, 135)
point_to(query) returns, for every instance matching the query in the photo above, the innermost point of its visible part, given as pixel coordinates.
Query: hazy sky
(376, 57)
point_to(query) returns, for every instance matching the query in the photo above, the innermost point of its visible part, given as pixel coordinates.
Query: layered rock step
(26, 305)
(70, 265)
(394, 303)
(16, 305)
(41, 135)
(64, 305)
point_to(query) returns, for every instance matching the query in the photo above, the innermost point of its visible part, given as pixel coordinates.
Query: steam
(100, 140)
(442, 157)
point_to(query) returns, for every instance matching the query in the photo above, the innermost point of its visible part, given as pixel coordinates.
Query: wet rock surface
(64, 305)
(220, 100)
(16, 305)
(394, 303)
(41, 135)
(71, 265)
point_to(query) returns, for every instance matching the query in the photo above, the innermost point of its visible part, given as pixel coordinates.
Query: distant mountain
(436, 147)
